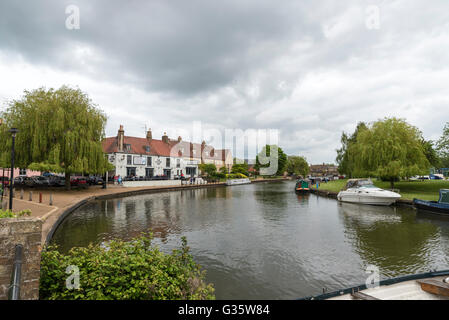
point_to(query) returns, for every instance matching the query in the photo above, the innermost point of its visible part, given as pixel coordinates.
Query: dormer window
(127, 147)
(147, 148)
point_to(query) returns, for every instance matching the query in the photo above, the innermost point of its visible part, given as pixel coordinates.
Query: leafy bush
(218, 175)
(9, 214)
(236, 176)
(131, 270)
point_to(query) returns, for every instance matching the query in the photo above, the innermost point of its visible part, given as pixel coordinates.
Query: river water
(262, 241)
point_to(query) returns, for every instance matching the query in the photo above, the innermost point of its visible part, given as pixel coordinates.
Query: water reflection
(264, 241)
(390, 238)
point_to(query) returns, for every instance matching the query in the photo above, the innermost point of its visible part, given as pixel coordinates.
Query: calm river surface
(262, 241)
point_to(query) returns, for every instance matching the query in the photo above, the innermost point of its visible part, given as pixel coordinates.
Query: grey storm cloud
(182, 47)
(308, 68)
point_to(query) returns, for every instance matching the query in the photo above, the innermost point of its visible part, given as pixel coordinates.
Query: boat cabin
(357, 183)
(444, 196)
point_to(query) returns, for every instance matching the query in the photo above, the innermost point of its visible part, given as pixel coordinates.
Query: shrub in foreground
(124, 270)
(10, 214)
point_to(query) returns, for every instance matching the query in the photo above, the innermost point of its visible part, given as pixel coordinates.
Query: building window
(149, 172)
(22, 172)
(178, 163)
(130, 171)
(167, 162)
(190, 171)
(149, 162)
(129, 160)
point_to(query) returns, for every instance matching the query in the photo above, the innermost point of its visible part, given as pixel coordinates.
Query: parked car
(56, 181)
(95, 180)
(78, 181)
(19, 181)
(37, 181)
(4, 180)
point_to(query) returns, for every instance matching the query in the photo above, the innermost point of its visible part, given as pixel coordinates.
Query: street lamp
(11, 184)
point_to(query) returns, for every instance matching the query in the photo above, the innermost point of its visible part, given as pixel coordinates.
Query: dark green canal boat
(302, 186)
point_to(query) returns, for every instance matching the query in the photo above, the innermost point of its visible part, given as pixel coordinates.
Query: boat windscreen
(444, 196)
(358, 183)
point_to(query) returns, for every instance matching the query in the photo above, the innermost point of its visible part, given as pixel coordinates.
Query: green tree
(240, 168)
(442, 147)
(268, 155)
(223, 170)
(297, 165)
(389, 149)
(59, 131)
(431, 154)
(345, 155)
(209, 168)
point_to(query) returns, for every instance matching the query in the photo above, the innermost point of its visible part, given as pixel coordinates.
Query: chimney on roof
(165, 138)
(179, 139)
(149, 135)
(120, 138)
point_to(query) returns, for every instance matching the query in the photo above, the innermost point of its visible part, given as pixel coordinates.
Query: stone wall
(27, 232)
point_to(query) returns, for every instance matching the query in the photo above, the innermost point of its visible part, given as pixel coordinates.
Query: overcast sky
(310, 69)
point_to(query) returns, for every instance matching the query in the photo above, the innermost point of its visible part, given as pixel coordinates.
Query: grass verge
(425, 190)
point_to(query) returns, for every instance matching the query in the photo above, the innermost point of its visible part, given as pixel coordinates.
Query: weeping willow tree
(389, 149)
(59, 131)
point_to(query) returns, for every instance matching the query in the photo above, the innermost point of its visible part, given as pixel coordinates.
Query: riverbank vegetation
(297, 166)
(389, 149)
(10, 214)
(425, 190)
(123, 270)
(59, 131)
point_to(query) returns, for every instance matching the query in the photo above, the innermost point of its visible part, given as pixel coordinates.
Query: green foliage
(9, 214)
(134, 270)
(430, 153)
(345, 155)
(240, 168)
(59, 131)
(236, 176)
(218, 175)
(389, 148)
(209, 168)
(223, 170)
(297, 165)
(442, 147)
(265, 155)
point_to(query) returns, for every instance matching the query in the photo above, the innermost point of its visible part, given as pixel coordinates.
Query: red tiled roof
(160, 148)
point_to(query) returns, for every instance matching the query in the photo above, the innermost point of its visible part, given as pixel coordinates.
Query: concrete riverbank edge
(48, 232)
(333, 195)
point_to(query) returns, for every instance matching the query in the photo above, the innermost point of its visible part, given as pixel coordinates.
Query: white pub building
(148, 160)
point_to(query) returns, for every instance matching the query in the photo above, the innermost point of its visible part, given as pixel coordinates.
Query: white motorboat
(363, 191)
(233, 182)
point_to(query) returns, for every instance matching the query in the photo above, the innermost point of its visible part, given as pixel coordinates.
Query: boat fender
(446, 280)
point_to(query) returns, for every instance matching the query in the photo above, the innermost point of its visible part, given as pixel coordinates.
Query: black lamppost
(11, 184)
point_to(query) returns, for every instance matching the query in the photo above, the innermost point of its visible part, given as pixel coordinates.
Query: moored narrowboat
(302, 186)
(441, 206)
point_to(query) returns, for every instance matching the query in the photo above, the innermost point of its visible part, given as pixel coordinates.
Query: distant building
(323, 170)
(148, 157)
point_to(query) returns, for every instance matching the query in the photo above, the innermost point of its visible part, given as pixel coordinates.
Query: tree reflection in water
(391, 238)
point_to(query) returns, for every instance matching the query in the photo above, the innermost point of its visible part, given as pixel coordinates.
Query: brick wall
(28, 232)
